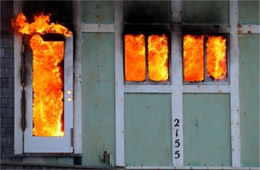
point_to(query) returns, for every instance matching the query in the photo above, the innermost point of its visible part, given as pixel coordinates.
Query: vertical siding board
(249, 97)
(148, 129)
(98, 100)
(207, 140)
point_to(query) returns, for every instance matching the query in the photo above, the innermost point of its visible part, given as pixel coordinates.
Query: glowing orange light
(216, 57)
(47, 74)
(158, 57)
(135, 57)
(193, 58)
(47, 87)
(40, 25)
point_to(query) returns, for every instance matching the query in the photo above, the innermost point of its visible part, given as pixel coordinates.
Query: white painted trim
(97, 28)
(77, 80)
(206, 89)
(177, 94)
(249, 29)
(148, 88)
(190, 167)
(18, 133)
(177, 101)
(119, 85)
(234, 80)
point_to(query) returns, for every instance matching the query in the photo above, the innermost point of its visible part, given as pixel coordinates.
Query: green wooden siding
(205, 12)
(148, 129)
(249, 99)
(249, 12)
(98, 97)
(207, 137)
(97, 12)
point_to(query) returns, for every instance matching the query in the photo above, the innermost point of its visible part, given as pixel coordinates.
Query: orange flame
(47, 87)
(216, 57)
(158, 57)
(40, 25)
(134, 57)
(47, 74)
(193, 56)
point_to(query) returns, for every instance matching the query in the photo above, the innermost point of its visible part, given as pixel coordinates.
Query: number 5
(177, 154)
(177, 143)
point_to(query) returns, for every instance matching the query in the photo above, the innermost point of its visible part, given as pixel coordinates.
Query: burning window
(146, 58)
(204, 58)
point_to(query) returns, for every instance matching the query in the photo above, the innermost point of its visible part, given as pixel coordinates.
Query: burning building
(130, 84)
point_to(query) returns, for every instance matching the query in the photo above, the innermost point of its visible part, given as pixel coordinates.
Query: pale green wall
(249, 12)
(148, 129)
(205, 11)
(97, 12)
(206, 124)
(148, 116)
(98, 97)
(249, 99)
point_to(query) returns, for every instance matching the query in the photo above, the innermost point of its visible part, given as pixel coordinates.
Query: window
(204, 58)
(146, 58)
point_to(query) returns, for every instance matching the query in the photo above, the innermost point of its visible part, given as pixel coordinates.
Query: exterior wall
(98, 85)
(148, 138)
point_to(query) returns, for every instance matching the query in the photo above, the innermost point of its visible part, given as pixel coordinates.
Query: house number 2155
(177, 143)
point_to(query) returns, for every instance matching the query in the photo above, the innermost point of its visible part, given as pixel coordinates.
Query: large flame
(47, 87)
(216, 57)
(193, 58)
(47, 74)
(40, 25)
(135, 57)
(158, 57)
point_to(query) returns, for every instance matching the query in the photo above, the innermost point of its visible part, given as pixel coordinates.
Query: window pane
(216, 57)
(158, 57)
(47, 87)
(193, 58)
(134, 57)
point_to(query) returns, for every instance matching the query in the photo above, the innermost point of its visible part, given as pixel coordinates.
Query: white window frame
(147, 81)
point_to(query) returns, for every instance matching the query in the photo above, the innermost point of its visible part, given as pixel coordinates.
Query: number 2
(177, 122)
